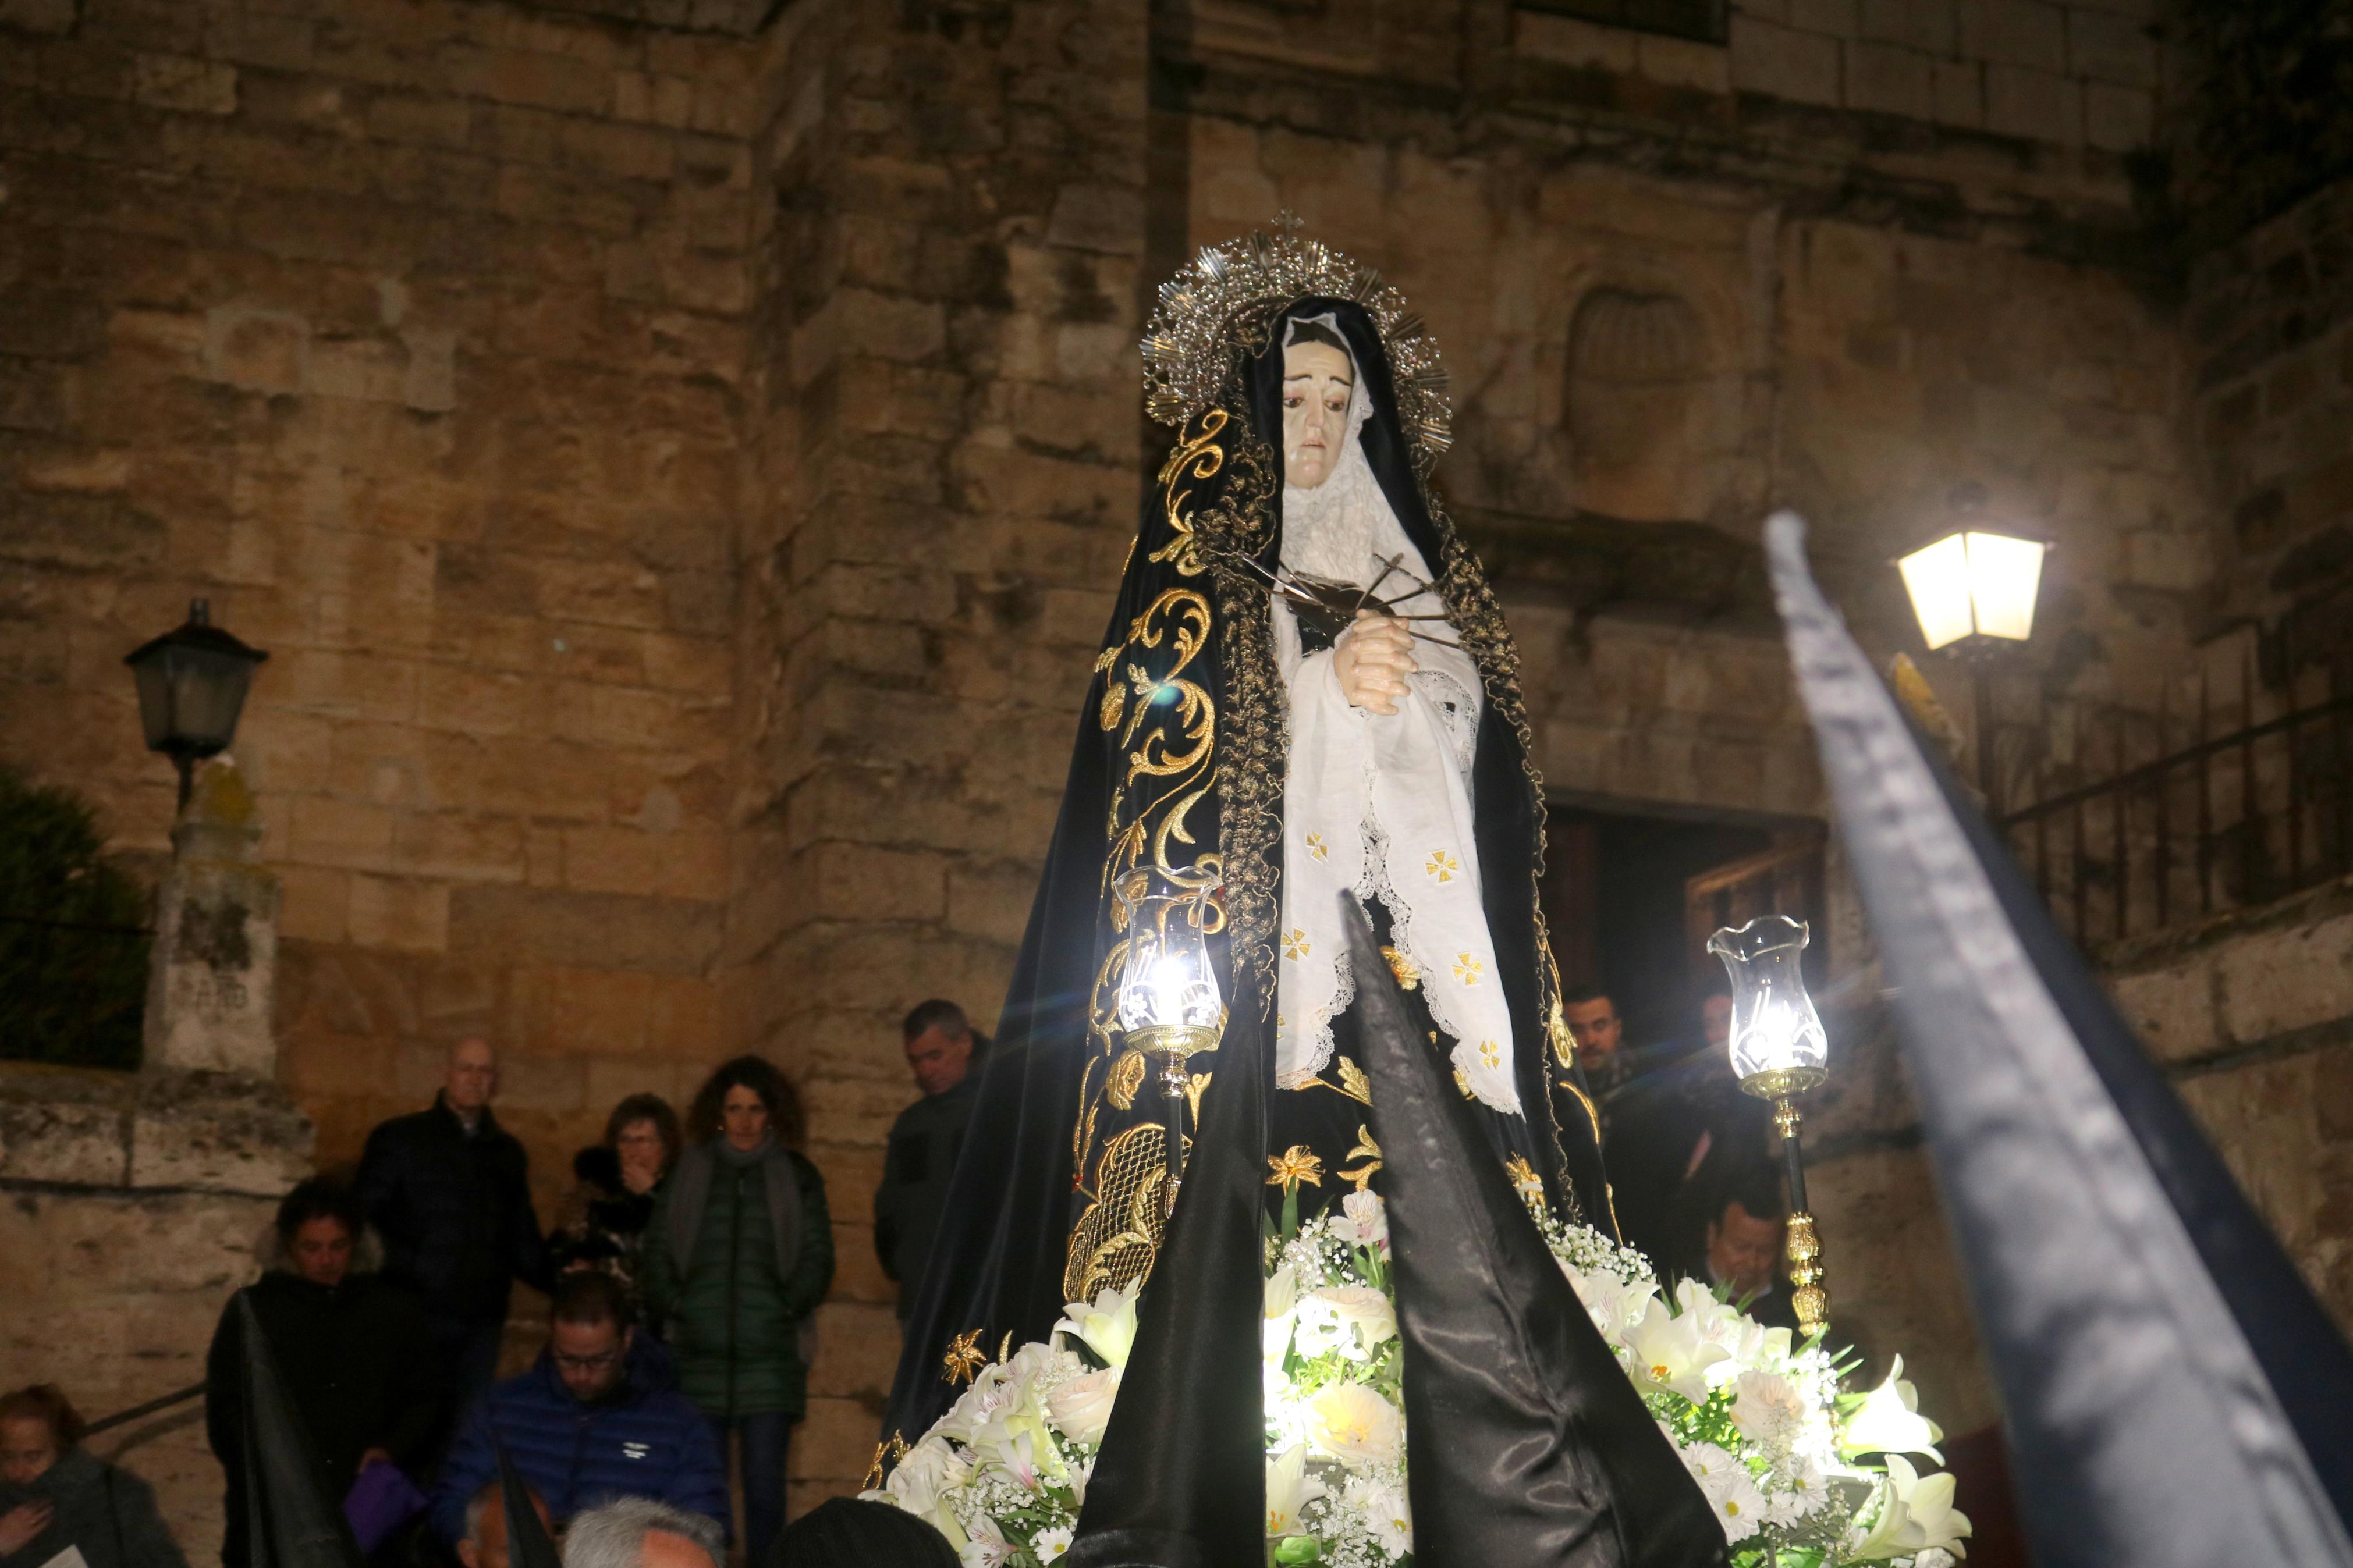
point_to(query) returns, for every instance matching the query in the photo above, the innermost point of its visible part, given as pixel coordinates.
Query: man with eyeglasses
(598, 1417)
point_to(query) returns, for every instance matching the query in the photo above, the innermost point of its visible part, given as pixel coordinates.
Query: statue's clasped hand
(1372, 660)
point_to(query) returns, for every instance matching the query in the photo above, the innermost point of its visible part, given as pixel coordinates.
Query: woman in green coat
(738, 1256)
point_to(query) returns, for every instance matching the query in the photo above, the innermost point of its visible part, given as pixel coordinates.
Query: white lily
(1934, 1523)
(1888, 1422)
(1282, 1313)
(1615, 1305)
(1106, 1327)
(1365, 1221)
(1288, 1490)
(988, 1547)
(1670, 1353)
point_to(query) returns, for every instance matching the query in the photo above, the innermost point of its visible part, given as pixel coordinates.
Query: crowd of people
(683, 1274)
(1693, 1176)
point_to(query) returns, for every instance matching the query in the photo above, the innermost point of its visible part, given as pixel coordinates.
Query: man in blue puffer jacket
(598, 1417)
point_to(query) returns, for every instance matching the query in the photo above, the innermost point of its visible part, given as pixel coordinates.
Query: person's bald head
(472, 1076)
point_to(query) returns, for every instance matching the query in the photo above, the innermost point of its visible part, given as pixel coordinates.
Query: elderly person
(353, 1349)
(919, 1164)
(55, 1496)
(636, 1532)
(450, 1191)
(602, 1222)
(738, 1256)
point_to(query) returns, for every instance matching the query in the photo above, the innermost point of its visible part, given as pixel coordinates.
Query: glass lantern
(1778, 1046)
(1169, 1003)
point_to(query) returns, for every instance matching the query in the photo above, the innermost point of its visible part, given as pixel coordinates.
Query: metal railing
(72, 992)
(2219, 821)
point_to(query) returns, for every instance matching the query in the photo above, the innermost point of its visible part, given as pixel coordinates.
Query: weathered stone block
(2035, 104)
(63, 1126)
(216, 1132)
(1887, 80)
(2285, 978)
(1783, 62)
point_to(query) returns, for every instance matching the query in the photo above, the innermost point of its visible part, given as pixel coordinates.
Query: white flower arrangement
(1758, 1420)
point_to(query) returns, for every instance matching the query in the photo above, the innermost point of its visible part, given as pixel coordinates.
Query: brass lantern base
(1782, 1084)
(1812, 1301)
(1174, 1044)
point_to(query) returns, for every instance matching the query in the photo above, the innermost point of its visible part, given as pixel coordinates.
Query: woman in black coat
(55, 1494)
(352, 1350)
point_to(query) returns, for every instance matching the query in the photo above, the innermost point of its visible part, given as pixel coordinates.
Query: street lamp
(1778, 1051)
(1169, 1003)
(192, 684)
(1973, 593)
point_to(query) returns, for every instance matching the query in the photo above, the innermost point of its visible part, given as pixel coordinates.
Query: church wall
(950, 481)
(1646, 361)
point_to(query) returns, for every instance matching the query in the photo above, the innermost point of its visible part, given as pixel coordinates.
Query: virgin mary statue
(1305, 689)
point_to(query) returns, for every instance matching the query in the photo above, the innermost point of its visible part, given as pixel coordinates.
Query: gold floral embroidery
(1198, 457)
(1526, 1181)
(1316, 847)
(1114, 703)
(1467, 969)
(1293, 1166)
(1408, 973)
(1355, 1086)
(1491, 1054)
(1442, 866)
(1295, 944)
(964, 1358)
(1370, 1151)
(1126, 1078)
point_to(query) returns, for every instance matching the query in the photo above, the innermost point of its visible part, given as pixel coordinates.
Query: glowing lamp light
(1779, 1050)
(1775, 1032)
(1169, 1003)
(1974, 585)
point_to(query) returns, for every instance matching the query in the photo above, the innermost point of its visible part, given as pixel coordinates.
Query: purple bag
(381, 1500)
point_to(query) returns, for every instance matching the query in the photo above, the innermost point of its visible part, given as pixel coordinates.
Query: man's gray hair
(614, 1536)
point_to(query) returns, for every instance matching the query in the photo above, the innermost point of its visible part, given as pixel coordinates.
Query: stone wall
(130, 1208)
(413, 335)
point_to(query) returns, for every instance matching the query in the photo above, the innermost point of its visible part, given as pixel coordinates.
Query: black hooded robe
(1178, 766)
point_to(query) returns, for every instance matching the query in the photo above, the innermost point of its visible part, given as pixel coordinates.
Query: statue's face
(1316, 381)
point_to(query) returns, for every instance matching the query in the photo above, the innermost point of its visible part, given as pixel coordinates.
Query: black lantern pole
(192, 685)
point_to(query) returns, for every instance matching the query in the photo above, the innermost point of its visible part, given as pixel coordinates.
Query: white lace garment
(1379, 805)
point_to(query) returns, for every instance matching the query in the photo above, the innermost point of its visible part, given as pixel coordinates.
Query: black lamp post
(192, 685)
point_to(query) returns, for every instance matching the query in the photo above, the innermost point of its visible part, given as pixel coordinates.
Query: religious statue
(1306, 689)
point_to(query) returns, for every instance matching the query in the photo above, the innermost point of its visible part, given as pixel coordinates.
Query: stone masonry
(678, 453)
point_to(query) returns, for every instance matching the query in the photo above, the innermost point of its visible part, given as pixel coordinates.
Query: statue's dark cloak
(1179, 765)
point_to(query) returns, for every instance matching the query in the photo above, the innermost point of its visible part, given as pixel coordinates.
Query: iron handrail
(2149, 772)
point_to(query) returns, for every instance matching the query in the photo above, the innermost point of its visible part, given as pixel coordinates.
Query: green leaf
(1298, 1549)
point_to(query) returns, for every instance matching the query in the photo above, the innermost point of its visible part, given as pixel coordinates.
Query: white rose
(1767, 1409)
(1356, 1425)
(1081, 1409)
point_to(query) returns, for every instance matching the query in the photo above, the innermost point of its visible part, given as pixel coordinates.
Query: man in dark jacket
(596, 1418)
(353, 1349)
(450, 1191)
(922, 1155)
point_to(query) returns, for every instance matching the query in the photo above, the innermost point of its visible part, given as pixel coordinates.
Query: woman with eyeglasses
(736, 1258)
(602, 1223)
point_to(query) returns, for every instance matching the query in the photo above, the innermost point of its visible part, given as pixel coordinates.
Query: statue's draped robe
(1178, 766)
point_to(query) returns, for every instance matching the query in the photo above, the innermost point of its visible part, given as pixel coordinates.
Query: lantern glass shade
(192, 683)
(1166, 981)
(1974, 585)
(1775, 1029)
